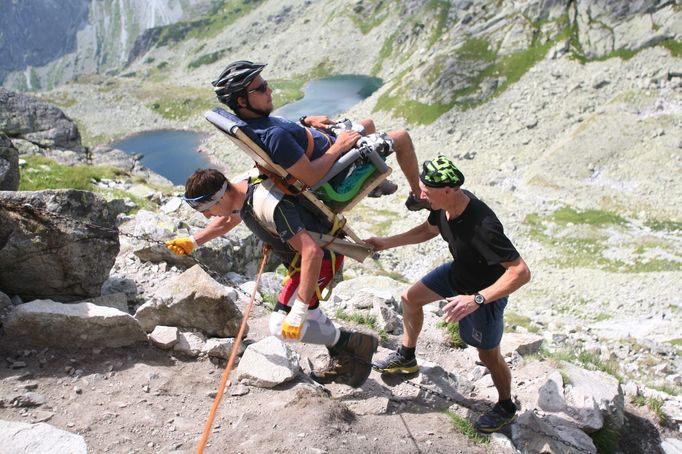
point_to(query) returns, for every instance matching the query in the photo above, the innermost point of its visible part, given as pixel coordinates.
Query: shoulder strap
(311, 143)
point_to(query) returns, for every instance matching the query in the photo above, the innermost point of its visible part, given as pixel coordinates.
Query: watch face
(478, 299)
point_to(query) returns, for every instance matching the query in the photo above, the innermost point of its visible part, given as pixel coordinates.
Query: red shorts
(288, 294)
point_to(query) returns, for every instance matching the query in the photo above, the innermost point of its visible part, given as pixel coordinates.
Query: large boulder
(45, 323)
(43, 124)
(9, 165)
(52, 249)
(21, 437)
(193, 300)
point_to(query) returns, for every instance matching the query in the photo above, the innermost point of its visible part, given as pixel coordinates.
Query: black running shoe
(396, 363)
(494, 420)
(414, 203)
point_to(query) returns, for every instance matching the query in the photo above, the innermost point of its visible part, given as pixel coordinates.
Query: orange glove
(294, 321)
(182, 246)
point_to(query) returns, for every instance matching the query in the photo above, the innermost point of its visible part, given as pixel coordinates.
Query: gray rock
(164, 337)
(193, 300)
(531, 433)
(222, 347)
(36, 121)
(29, 399)
(19, 437)
(671, 446)
(104, 155)
(116, 284)
(5, 302)
(267, 363)
(44, 323)
(524, 344)
(118, 300)
(592, 396)
(51, 252)
(9, 165)
(551, 394)
(190, 344)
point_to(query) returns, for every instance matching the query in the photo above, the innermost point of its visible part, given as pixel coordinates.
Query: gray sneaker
(395, 363)
(386, 187)
(414, 203)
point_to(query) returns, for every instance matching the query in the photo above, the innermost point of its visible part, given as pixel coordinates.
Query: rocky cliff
(46, 43)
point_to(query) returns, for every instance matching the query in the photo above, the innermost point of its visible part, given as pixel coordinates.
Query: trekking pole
(233, 356)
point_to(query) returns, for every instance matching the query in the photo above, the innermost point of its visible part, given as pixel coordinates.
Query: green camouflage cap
(440, 173)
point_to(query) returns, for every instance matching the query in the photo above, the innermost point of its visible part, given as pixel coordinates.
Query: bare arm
(310, 172)
(217, 227)
(516, 275)
(423, 232)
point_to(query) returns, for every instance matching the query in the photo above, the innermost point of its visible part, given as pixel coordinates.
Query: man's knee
(401, 139)
(275, 323)
(369, 126)
(490, 356)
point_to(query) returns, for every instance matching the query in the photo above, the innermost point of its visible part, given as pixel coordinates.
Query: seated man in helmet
(242, 88)
(297, 315)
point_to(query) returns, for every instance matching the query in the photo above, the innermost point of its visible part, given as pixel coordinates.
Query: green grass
(43, 173)
(659, 225)
(606, 439)
(656, 405)
(453, 334)
(475, 51)
(175, 102)
(675, 47)
(372, 15)
(513, 319)
(566, 215)
(586, 247)
(361, 319)
(222, 14)
(206, 59)
(668, 389)
(467, 429)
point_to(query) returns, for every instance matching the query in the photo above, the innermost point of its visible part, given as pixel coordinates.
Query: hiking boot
(361, 347)
(396, 363)
(386, 187)
(414, 203)
(340, 369)
(494, 420)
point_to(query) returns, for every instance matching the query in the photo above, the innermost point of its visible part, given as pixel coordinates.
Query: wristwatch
(302, 120)
(479, 299)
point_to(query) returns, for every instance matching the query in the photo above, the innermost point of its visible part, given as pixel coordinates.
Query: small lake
(174, 155)
(330, 96)
(170, 153)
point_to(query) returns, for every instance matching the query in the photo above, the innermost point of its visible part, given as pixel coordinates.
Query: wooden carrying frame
(238, 133)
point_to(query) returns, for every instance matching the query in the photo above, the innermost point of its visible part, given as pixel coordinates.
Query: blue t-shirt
(286, 140)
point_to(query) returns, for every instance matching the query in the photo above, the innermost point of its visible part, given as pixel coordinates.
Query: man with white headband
(297, 315)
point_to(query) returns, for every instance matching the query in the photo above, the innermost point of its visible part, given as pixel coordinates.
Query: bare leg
(407, 160)
(414, 299)
(368, 123)
(499, 371)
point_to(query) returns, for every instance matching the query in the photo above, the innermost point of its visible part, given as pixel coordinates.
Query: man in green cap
(485, 269)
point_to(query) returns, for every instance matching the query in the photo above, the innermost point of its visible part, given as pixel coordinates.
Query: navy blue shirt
(478, 245)
(286, 140)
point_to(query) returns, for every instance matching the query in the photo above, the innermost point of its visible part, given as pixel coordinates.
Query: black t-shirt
(301, 215)
(478, 245)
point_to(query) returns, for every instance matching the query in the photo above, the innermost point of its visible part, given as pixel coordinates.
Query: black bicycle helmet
(233, 80)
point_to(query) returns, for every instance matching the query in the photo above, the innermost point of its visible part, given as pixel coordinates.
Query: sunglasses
(262, 88)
